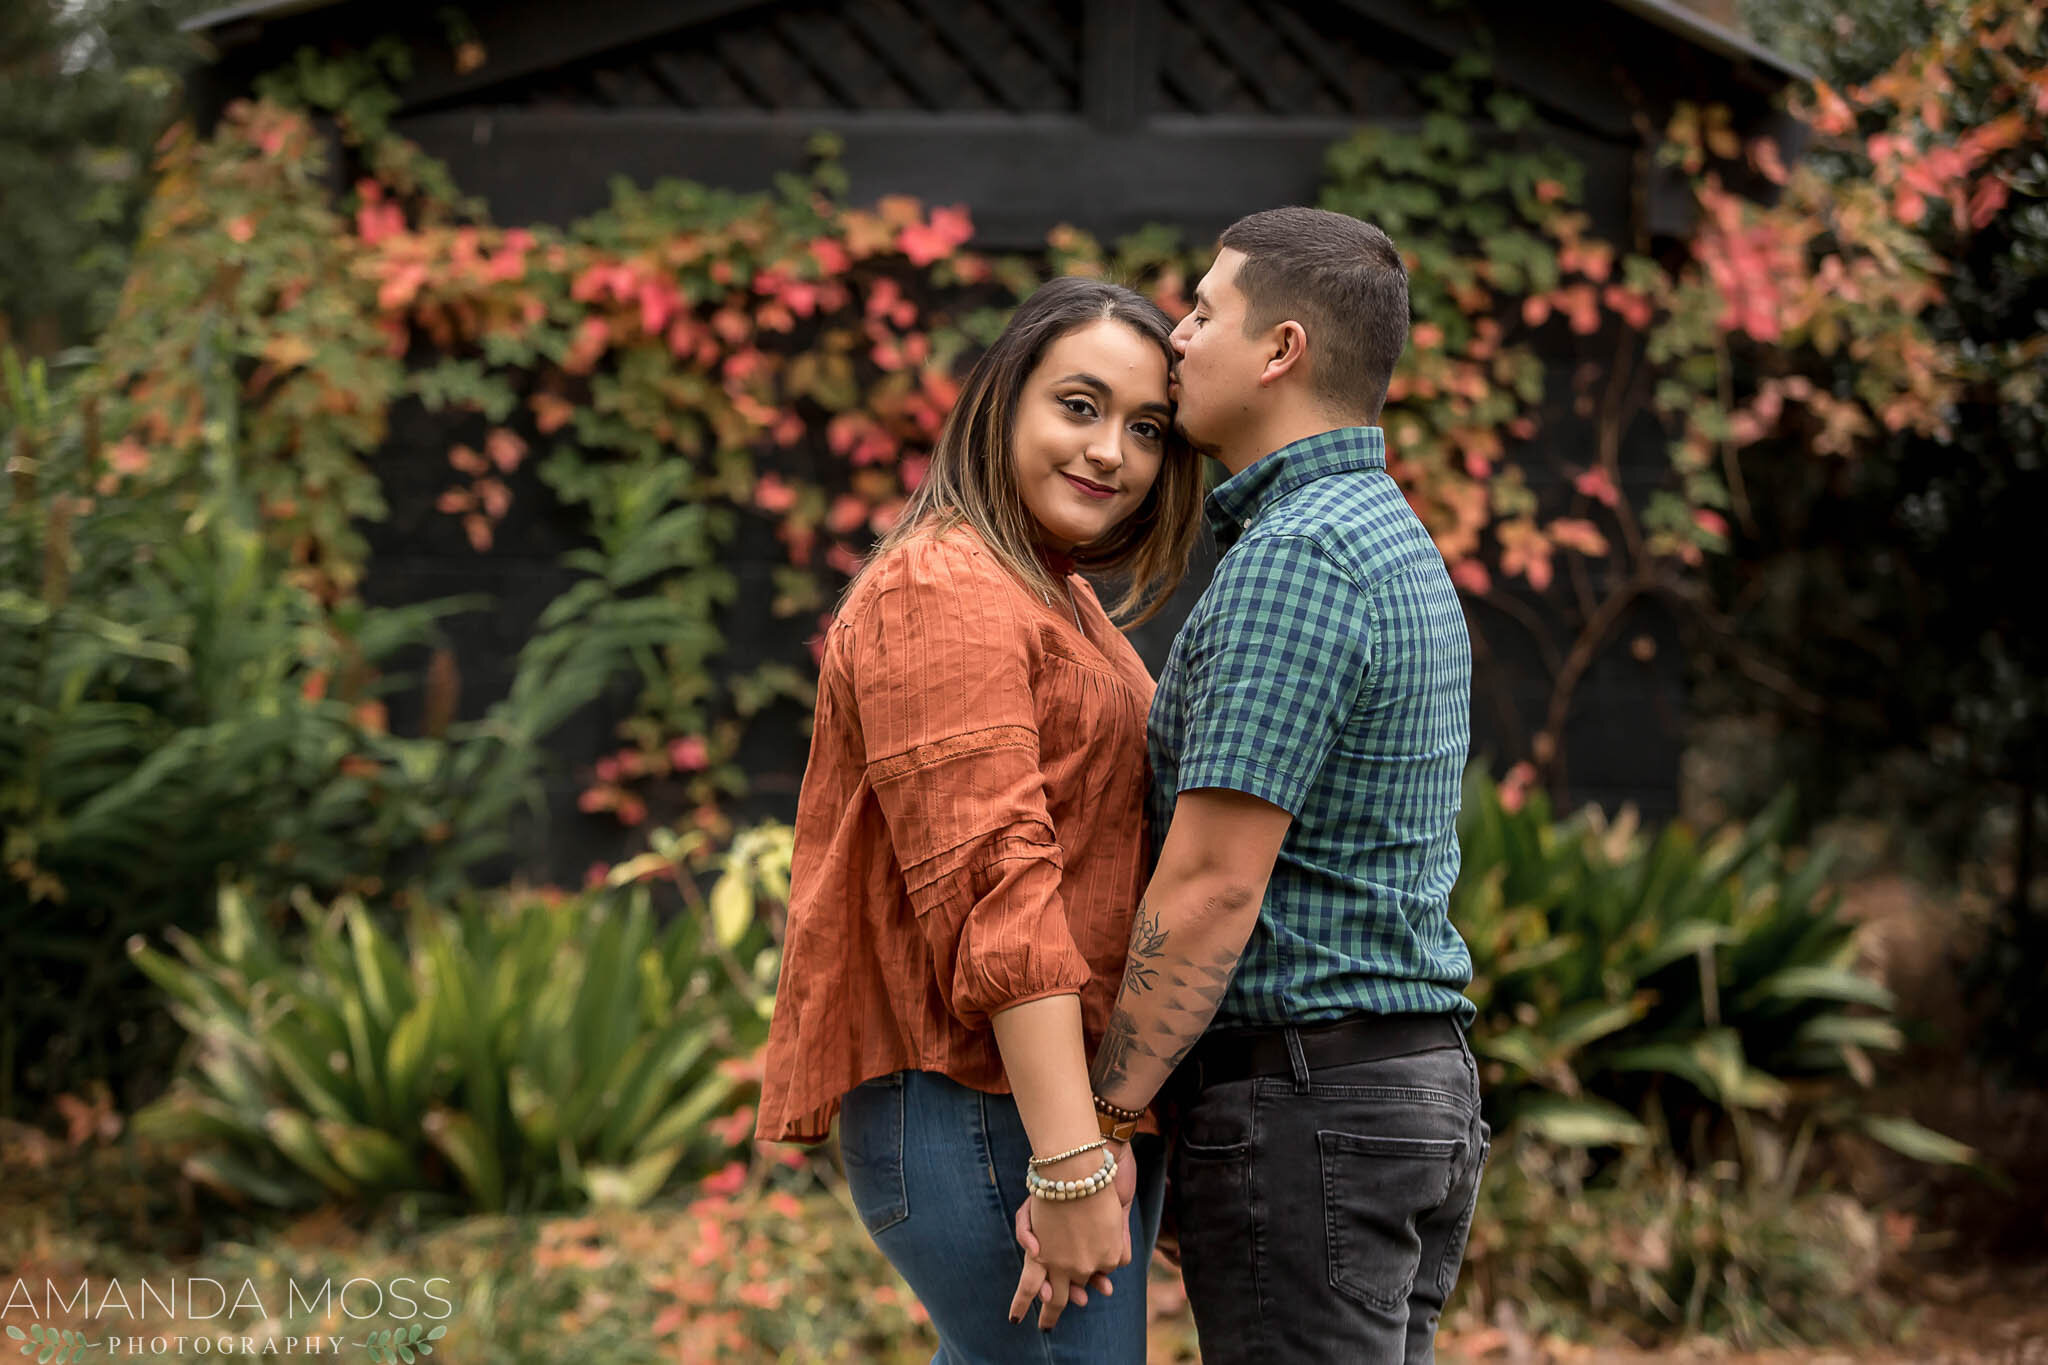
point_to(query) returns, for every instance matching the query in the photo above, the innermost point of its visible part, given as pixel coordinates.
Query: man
(1293, 967)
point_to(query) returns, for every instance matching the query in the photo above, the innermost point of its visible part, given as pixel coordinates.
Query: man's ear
(1289, 352)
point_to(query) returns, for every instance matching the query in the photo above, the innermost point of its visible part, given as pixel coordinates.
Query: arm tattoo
(1176, 1018)
(1148, 944)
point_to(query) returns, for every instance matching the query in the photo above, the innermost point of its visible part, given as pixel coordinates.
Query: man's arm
(1191, 928)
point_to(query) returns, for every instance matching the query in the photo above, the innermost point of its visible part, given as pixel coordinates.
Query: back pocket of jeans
(871, 1146)
(1454, 1249)
(1375, 1189)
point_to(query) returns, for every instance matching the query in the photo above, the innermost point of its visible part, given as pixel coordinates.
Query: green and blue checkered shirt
(1327, 670)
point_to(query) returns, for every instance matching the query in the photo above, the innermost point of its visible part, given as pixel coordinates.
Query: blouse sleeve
(942, 679)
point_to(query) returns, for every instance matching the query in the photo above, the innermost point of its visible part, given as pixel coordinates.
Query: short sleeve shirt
(1328, 671)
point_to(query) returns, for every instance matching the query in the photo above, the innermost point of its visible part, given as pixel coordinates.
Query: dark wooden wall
(1107, 114)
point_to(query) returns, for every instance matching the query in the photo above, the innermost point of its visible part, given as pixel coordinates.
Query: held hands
(1070, 1246)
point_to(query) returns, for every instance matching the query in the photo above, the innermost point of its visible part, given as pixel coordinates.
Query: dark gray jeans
(1322, 1216)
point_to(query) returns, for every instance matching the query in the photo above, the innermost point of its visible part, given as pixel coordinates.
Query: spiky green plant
(514, 1052)
(1711, 978)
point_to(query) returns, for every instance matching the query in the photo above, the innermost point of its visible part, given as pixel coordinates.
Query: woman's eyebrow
(1090, 381)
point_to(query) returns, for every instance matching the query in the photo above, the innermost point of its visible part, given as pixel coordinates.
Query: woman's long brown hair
(973, 478)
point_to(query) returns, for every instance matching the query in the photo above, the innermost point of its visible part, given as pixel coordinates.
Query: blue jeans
(937, 1172)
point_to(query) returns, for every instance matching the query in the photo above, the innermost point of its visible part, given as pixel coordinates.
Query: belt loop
(1296, 1059)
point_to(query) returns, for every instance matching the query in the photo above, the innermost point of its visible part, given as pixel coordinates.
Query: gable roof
(1668, 15)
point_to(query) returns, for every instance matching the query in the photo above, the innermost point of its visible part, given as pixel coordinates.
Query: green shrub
(181, 705)
(1698, 980)
(520, 1051)
(165, 718)
(1654, 1250)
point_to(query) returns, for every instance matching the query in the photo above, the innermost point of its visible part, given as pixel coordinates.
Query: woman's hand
(1064, 1242)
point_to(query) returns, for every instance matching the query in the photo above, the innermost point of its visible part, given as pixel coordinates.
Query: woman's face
(1091, 432)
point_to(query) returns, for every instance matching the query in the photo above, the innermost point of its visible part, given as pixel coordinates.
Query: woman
(970, 844)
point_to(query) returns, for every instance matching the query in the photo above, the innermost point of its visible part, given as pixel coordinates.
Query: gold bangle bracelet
(1040, 1162)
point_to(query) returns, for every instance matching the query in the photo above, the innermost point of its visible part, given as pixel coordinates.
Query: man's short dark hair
(1343, 281)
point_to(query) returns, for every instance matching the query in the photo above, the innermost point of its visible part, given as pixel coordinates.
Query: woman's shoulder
(953, 562)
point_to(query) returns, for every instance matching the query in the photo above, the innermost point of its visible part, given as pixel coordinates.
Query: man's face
(1217, 380)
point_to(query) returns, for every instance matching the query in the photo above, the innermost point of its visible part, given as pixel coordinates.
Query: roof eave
(1703, 31)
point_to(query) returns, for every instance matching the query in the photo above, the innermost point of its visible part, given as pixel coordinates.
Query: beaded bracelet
(1040, 1162)
(1061, 1190)
(1103, 1106)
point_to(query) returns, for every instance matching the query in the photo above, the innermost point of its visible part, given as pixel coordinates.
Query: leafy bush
(1702, 979)
(1655, 1250)
(183, 704)
(167, 716)
(519, 1051)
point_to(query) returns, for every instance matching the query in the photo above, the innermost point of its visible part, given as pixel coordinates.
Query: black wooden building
(1106, 114)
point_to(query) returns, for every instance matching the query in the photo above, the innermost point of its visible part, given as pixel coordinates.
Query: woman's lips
(1083, 486)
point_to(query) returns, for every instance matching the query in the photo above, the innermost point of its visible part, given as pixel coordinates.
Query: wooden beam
(1017, 174)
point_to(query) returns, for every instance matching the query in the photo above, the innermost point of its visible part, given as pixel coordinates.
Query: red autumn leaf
(1583, 306)
(658, 301)
(1832, 114)
(1576, 533)
(689, 754)
(1597, 485)
(592, 336)
(127, 456)
(847, 513)
(831, 257)
(1986, 200)
(726, 1181)
(1764, 155)
(1514, 787)
(1471, 575)
(401, 285)
(1524, 550)
(479, 531)
(731, 325)
(496, 498)
(551, 411)
(773, 495)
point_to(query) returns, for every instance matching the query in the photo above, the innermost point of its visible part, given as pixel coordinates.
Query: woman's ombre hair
(973, 472)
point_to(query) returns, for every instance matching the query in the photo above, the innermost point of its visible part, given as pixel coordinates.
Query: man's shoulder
(1360, 523)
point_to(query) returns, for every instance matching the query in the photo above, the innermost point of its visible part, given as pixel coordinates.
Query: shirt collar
(1236, 503)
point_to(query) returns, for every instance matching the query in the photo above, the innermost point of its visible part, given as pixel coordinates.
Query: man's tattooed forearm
(1120, 1047)
(1175, 1021)
(1148, 945)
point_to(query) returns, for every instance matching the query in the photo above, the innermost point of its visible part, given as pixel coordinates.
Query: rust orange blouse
(970, 834)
